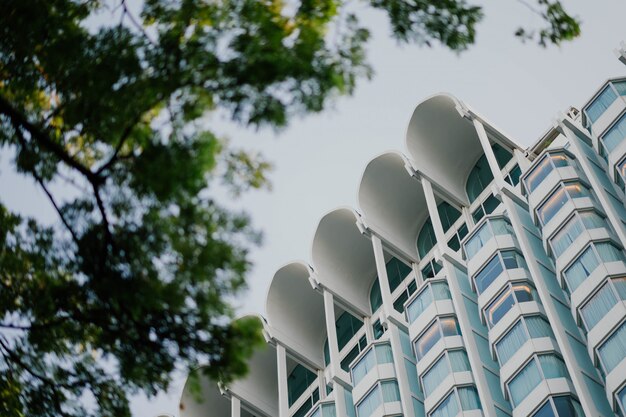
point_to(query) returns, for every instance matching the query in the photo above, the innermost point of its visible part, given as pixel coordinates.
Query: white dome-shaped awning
(443, 145)
(344, 259)
(259, 389)
(209, 402)
(295, 313)
(392, 201)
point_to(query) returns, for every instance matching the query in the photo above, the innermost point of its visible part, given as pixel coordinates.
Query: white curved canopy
(392, 201)
(442, 144)
(209, 402)
(259, 388)
(344, 259)
(295, 312)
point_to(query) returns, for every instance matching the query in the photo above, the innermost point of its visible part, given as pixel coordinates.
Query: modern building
(477, 278)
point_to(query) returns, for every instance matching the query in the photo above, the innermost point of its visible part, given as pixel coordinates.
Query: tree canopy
(139, 274)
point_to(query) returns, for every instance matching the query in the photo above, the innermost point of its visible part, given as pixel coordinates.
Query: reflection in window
(502, 260)
(489, 229)
(543, 168)
(613, 137)
(441, 327)
(613, 350)
(513, 294)
(586, 263)
(431, 292)
(481, 176)
(584, 220)
(566, 191)
(529, 327)
(540, 368)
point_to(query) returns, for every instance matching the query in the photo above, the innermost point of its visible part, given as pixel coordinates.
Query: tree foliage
(139, 274)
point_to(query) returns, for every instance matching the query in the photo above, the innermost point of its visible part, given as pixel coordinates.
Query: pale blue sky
(319, 159)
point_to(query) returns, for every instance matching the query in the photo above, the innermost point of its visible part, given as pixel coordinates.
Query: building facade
(477, 278)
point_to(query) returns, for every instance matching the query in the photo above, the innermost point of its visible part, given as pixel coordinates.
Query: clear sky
(319, 160)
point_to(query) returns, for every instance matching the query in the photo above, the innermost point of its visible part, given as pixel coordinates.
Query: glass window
(435, 375)
(326, 353)
(581, 269)
(527, 327)
(461, 398)
(502, 260)
(469, 398)
(613, 350)
(600, 104)
(431, 269)
(597, 307)
(347, 360)
(512, 177)
(614, 136)
(524, 382)
(573, 228)
(299, 379)
(441, 327)
(370, 403)
(347, 326)
(586, 263)
(308, 404)
(397, 271)
(514, 293)
(363, 367)
(426, 239)
(566, 191)
(449, 407)
(378, 329)
(376, 299)
(448, 215)
(561, 406)
(543, 168)
(487, 207)
(391, 393)
(481, 176)
(487, 230)
(431, 292)
(511, 342)
(621, 399)
(455, 242)
(450, 361)
(621, 174)
(411, 373)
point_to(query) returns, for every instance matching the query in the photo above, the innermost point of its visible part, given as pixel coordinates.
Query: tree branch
(19, 120)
